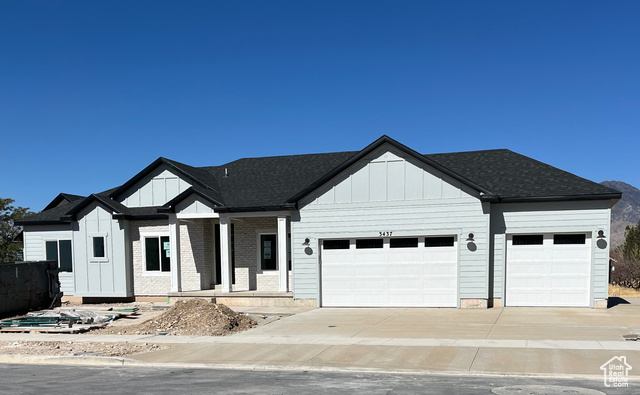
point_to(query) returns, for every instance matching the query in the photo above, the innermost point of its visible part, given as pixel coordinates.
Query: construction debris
(62, 321)
(196, 317)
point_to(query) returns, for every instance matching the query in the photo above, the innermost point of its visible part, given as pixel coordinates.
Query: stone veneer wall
(246, 253)
(147, 284)
(196, 257)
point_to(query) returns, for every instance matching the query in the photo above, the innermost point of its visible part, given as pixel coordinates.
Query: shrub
(625, 272)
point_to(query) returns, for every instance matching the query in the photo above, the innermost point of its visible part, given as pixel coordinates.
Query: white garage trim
(389, 275)
(549, 269)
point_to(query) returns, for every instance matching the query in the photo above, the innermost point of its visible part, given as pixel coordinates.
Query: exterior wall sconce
(601, 235)
(306, 242)
(470, 238)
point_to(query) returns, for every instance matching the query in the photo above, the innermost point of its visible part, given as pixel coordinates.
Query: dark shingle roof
(272, 183)
(63, 198)
(510, 175)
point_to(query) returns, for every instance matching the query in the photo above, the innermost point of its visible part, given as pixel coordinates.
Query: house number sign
(385, 234)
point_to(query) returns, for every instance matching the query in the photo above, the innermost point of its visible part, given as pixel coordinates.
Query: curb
(129, 362)
(66, 360)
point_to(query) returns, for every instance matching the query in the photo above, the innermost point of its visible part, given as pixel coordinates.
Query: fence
(26, 286)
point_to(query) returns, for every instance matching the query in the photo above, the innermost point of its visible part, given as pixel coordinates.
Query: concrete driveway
(502, 323)
(501, 340)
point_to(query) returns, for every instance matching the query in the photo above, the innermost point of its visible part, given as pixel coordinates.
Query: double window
(157, 254)
(61, 252)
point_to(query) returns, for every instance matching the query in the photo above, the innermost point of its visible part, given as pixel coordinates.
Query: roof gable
(62, 199)
(388, 174)
(193, 175)
(113, 205)
(368, 150)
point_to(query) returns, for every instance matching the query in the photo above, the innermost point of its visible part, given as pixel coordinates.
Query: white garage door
(397, 272)
(548, 270)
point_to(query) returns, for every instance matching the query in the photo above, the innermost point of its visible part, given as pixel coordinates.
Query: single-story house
(384, 226)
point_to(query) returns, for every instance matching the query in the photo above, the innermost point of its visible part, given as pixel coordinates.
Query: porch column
(225, 253)
(283, 267)
(174, 252)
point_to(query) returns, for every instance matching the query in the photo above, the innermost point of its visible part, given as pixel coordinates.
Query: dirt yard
(623, 292)
(77, 348)
(191, 318)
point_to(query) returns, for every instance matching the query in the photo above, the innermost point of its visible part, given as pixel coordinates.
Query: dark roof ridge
(469, 152)
(279, 157)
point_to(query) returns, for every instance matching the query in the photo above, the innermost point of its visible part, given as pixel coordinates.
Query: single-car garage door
(390, 272)
(548, 270)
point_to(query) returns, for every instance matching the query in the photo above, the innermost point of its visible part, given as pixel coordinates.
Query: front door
(268, 253)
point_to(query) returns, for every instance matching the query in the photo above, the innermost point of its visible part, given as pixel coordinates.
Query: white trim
(197, 215)
(152, 273)
(92, 257)
(282, 261)
(44, 250)
(174, 259)
(225, 254)
(259, 233)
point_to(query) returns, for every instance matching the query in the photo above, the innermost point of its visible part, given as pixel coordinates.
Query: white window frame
(152, 273)
(44, 249)
(92, 257)
(265, 232)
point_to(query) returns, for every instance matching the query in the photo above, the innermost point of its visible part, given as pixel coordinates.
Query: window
(61, 252)
(268, 252)
(438, 241)
(368, 243)
(157, 252)
(335, 244)
(408, 242)
(98, 247)
(527, 240)
(569, 239)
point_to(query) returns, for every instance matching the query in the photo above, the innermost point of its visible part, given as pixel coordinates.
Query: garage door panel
(402, 277)
(548, 274)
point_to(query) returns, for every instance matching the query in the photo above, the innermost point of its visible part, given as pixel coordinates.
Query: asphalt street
(51, 379)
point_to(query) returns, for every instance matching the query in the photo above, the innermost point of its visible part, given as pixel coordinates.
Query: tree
(10, 249)
(631, 246)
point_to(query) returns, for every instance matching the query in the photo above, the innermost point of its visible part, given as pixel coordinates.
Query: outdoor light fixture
(306, 242)
(470, 238)
(601, 235)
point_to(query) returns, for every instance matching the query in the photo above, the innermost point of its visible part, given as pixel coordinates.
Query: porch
(246, 255)
(245, 298)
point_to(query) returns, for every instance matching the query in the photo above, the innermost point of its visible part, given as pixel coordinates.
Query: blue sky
(92, 92)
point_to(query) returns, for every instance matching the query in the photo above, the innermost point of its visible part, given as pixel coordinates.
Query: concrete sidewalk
(553, 341)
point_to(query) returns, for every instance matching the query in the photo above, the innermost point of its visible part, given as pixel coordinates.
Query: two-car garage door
(390, 272)
(548, 270)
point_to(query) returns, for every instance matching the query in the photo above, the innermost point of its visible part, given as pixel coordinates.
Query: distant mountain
(626, 212)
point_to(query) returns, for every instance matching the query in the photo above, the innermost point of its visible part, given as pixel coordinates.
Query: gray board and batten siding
(35, 237)
(586, 217)
(109, 275)
(389, 191)
(155, 189)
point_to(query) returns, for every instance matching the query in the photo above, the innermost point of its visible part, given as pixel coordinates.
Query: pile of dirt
(196, 317)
